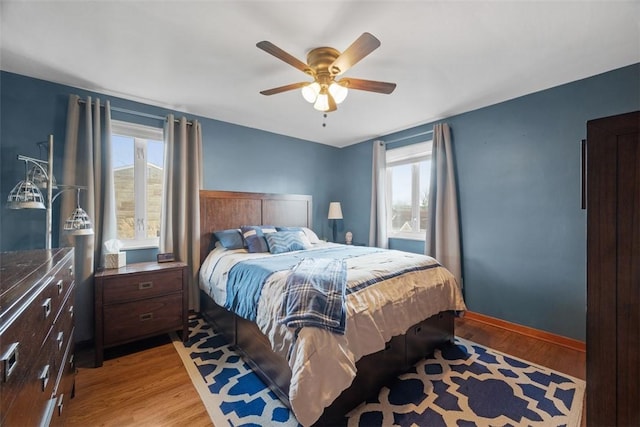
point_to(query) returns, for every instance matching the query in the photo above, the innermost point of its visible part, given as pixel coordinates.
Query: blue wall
(518, 163)
(236, 158)
(518, 169)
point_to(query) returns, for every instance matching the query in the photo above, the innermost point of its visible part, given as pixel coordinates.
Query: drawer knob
(60, 340)
(60, 286)
(60, 405)
(71, 312)
(44, 377)
(146, 316)
(47, 307)
(9, 361)
(145, 285)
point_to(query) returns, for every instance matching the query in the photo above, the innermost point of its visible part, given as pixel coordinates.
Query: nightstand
(138, 301)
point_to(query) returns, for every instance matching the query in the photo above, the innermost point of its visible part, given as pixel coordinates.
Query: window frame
(413, 155)
(140, 134)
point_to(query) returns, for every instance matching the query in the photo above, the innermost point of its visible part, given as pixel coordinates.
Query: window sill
(417, 237)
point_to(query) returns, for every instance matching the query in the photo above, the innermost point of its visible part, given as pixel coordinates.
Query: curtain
(180, 228)
(378, 222)
(443, 228)
(87, 162)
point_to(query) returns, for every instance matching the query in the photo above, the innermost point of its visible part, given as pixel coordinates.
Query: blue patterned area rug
(464, 384)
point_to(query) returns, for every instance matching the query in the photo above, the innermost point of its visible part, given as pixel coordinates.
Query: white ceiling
(447, 57)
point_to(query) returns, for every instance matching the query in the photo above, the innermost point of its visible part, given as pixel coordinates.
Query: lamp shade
(338, 92)
(335, 210)
(78, 223)
(25, 195)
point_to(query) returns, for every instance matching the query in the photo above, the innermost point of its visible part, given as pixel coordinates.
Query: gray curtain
(87, 162)
(443, 228)
(378, 220)
(180, 228)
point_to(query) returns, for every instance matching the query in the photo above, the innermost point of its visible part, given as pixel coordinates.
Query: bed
(321, 373)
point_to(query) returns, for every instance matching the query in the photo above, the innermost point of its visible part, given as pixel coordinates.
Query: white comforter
(323, 363)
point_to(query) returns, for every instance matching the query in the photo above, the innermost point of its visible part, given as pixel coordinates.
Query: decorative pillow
(230, 239)
(313, 237)
(287, 241)
(253, 236)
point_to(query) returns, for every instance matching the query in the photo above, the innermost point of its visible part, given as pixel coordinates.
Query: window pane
(401, 198)
(425, 179)
(155, 163)
(122, 160)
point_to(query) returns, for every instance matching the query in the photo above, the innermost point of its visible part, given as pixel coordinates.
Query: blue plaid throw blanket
(246, 278)
(314, 295)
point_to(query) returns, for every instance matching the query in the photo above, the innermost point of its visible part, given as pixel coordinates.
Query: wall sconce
(26, 195)
(335, 213)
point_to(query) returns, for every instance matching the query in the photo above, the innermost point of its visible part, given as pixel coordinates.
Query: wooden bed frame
(220, 210)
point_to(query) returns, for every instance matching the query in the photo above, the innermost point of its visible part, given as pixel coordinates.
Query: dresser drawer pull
(60, 340)
(60, 405)
(60, 286)
(146, 316)
(44, 377)
(71, 270)
(9, 361)
(145, 285)
(71, 312)
(47, 307)
(72, 364)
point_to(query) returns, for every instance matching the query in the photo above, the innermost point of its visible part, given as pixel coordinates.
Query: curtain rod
(135, 113)
(409, 137)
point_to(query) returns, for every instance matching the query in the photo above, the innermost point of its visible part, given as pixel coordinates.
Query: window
(408, 176)
(138, 162)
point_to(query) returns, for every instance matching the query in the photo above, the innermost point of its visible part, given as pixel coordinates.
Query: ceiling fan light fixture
(310, 92)
(338, 92)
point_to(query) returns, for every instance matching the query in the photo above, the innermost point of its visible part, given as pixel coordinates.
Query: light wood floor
(150, 387)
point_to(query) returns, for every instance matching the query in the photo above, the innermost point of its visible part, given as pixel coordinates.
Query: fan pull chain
(324, 120)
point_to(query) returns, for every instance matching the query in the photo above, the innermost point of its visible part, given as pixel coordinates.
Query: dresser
(37, 372)
(138, 301)
(613, 271)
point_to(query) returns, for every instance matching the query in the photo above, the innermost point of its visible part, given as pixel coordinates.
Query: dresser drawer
(20, 345)
(138, 286)
(33, 396)
(127, 321)
(64, 385)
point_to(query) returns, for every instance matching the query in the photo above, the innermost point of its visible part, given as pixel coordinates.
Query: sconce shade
(78, 224)
(335, 210)
(25, 195)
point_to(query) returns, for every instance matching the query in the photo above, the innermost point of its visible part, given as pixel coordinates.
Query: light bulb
(310, 92)
(338, 92)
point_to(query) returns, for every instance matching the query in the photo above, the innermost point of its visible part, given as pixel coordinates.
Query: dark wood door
(613, 271)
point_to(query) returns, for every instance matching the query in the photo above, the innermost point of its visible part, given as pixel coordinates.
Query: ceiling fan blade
(363, 46)
(281, 89)
(368, 85)
(274, 50)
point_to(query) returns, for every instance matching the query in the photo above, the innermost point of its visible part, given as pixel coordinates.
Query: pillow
(230, 239)
(313, 237)
(287, 241)
(253, 236)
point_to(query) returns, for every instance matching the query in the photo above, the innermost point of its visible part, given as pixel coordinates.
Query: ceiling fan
(324, 64)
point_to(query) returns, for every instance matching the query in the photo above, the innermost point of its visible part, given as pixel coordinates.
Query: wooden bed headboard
(221, 210)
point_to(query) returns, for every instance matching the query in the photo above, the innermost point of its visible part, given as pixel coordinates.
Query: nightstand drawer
(137, 286)
(127, 321)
